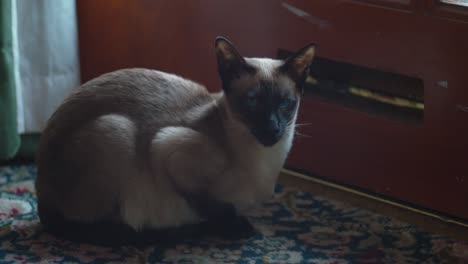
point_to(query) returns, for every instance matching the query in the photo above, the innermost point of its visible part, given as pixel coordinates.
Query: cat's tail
(104, 233)
(111, 233)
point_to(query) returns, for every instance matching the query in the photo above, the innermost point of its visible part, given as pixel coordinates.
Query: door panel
(384, 157)
(424, 164)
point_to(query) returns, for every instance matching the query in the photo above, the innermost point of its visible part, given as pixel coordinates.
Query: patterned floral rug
(296, 227)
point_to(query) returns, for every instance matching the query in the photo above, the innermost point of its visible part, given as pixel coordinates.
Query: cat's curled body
(152, 150)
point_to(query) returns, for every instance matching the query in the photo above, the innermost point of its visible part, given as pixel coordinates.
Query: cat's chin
(268, 141)
(269, 144)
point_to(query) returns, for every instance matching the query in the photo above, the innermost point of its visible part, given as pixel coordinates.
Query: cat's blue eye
(287, 103)
(251, 100)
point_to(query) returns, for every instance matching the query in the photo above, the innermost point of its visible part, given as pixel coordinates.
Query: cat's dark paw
(243, 228)
(236, 228)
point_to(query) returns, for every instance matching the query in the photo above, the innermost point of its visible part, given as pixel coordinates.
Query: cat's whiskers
(296, 132)
(303, 124)
(301, 135)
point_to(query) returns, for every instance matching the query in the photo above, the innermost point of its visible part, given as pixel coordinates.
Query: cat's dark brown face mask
(263, 93)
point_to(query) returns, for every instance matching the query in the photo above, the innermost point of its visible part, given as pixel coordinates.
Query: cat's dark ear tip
(311, 45)
(219, 39)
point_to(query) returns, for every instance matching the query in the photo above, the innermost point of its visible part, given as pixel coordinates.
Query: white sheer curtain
(46, 58)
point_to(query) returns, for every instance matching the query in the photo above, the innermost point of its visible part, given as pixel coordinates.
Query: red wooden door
(425, 164)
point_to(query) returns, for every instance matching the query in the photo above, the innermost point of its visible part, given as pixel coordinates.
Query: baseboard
(440, 217)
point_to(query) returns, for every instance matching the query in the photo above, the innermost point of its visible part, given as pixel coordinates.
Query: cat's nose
(273, 125)
(273, 129)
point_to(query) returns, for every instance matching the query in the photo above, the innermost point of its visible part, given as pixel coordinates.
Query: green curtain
(9, 138)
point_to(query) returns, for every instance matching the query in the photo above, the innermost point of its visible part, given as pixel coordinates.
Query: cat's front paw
(242, 228)
(236, 228)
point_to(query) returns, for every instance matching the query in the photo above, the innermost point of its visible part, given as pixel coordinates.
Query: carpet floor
(295, 227)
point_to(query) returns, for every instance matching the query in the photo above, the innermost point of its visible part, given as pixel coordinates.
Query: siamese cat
(137, 151)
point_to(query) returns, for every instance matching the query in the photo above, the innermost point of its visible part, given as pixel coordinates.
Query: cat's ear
(297, 65)
(231, 64)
